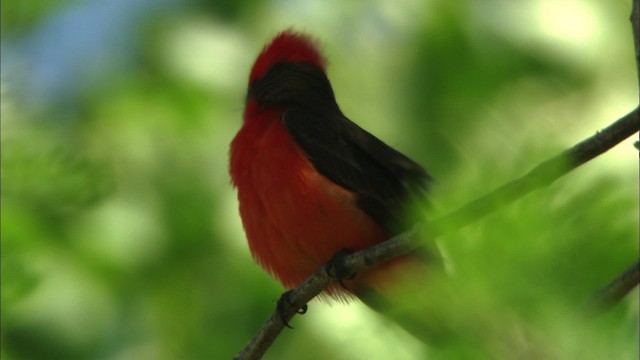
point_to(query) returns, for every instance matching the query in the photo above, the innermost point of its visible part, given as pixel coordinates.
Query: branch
(539, 177)
(614, 291)
(547, 172)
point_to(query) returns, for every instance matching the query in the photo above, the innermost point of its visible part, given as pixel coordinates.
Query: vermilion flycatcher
(311, 182)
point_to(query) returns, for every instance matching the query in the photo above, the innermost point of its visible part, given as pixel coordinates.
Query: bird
(311, 183)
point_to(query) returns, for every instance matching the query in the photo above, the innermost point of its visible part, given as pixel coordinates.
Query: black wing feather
(383, 179)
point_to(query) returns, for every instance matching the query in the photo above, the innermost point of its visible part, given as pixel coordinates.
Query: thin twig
(614, 291)
(539, 177)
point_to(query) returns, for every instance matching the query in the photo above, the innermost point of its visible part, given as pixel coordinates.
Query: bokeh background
(120, 232)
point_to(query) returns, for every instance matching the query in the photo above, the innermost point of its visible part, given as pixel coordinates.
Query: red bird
(311, 182)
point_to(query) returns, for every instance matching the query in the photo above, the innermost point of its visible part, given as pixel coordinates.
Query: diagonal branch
(615, 290)
(539, 177)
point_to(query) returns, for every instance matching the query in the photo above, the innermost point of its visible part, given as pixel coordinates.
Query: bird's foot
(284, 307)
(336, 268)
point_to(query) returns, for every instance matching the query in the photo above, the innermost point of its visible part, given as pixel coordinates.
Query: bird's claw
(336, 269)
(285, 303)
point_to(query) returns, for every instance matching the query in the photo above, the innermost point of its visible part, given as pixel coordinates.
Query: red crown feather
(288, 46)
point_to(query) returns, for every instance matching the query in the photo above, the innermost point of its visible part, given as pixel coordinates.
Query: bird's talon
(285, 303)
(336, 268)
(303, 309)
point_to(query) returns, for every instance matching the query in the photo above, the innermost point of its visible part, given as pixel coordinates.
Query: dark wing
(384, 180)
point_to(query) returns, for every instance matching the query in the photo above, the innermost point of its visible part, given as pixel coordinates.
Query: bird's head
(289, 72)
(287, 47)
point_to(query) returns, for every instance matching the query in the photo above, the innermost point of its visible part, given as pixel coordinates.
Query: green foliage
(120, 231)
